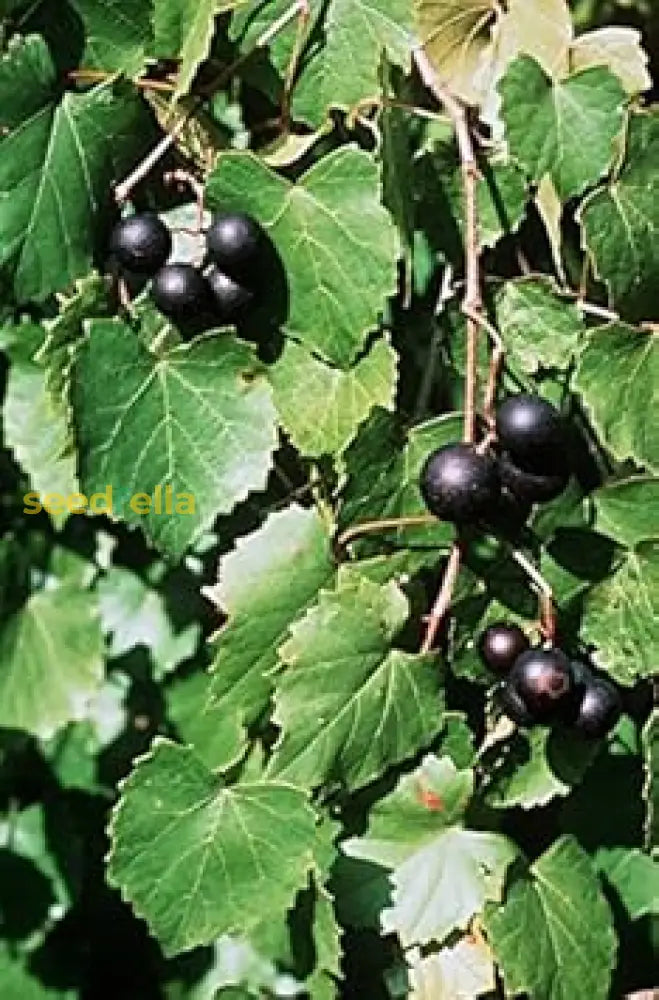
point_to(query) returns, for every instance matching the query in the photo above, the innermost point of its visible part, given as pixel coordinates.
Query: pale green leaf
(117, 34)
(462, 971)
(618, 48)
(322, 407)
(621, 224)
(55, 176)
(27, 80)
(265, 584)
(442, 873)
(195, 858)
(456, 35)
(567, 129)
(197, 419)
(550, 209)
(337, 243)
(338, 703)
(634, 877)
(553, 937)
(51, 662)
(628, 510)
(619, 407)
(541, 29)
(539, 328)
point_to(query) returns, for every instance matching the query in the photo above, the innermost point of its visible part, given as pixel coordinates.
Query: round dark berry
(513, 705)
(532, 487)
(544, 681)
(141, 243)
(230, 300)
(531, 430)
(234, 242)
(179, 291)
(599, 709)
(500, 645)
(459, 484)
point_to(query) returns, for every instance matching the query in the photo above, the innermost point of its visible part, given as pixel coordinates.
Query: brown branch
(383, 524)
(100, 76)
(443, 599)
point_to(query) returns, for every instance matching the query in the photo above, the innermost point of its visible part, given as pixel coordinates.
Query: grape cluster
(528, 464)
(542, 685)
(225, 285)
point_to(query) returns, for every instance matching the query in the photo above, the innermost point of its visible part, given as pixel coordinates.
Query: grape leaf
(339, 702)
(650, 742)
(117, 34)
(457, 39)
(553, 937)
(567, 129)
(539, 328)
(197, 858)
(621, 616)
(345, 69)
(35, 428)
(52, 663)
(626, 510)
(184, 31)
(442, 873)
(618, 408)
(634, 877)
(620, 224)
(542, 30)
(320, 407)
(55, 174)
(337, 243)
(17, 983)
(134, 614)
(618, 48)
(27, 80)
(550, 209)
(198, 418)
(462, 971)
(536, 766)
(265, 584)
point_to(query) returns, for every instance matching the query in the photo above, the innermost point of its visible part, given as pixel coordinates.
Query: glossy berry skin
(600, 708)
(531, 430)
(229, 299)
(501, 644)
(234, 242)
(513, 705)
(532, 487)
(458, 484)
(179, 291)
(544, 681)
(141, 243)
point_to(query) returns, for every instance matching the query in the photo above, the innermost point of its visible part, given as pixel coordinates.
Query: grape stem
(547, 606)
(383, 524)
(444, 597)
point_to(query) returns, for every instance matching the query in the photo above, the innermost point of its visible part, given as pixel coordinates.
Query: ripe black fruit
(513, 705)
(531, 430)
(500, 645)
(230, 300)
(459, 484)
(544, 681)
(234, 242)
(179, 291)
(533, 487)
(599, 709)
(141, 243)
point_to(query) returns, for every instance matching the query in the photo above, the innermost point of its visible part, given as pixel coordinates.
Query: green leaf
(618, 408)
(627, 510)
(196, 858)
(27, 79)
(620, 224)
(536, 766)
(55, 176)
(35, 428)
(338, 703)
(134, 614)
(634, 877)
(184, 31)
(650, 746)
(554, 937)
(539, 328)
(265, 584)
(462, 971)
(117, 34)
(567, 129)
(621, 616)
(321, 407)
(16, 983)
(336, 242)
(51, 661)
(342, 72)
(442, 874)
(198, 419)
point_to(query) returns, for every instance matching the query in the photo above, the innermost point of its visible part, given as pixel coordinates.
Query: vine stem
(444, 597)
(548, 623)
(383, 524)
(148, 163)
(99, 76)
